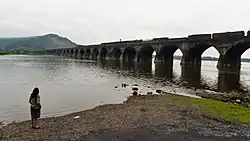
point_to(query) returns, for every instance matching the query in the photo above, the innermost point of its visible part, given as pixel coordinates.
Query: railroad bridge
(230, 46)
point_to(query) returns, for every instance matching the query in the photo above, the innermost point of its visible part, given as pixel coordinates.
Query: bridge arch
(103, 54)
(145, 54)
(63, 52)
(81, 54)
(232, 58)
(193, 55)
(166, 53)
(129, 54)
(76, 53)
(71, 52)
(88, 52)
(116, 53)
(68, 52)
(95, 54)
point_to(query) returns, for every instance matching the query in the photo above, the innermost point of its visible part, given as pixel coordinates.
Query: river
(70, 85)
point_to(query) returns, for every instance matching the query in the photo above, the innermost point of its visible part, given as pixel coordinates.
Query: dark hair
(35, 92)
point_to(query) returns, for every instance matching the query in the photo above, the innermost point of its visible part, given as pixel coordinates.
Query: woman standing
(35, 107)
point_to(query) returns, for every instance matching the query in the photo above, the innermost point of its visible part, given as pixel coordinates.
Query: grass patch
(213, 107)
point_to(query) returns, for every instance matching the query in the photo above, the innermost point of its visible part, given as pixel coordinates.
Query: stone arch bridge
(230, 46)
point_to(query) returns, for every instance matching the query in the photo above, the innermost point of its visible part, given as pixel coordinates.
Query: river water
(70, 85)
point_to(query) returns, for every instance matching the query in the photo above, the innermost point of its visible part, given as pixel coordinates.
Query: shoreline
(176, 115)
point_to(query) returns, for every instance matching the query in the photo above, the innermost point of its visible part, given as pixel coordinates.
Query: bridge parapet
(228, 35)
(79, 46)
(92, 46)
(200, 37)
(122, 42)
(160, 39)
(182, 39)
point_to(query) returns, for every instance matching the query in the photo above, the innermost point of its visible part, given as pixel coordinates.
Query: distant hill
(49, 41)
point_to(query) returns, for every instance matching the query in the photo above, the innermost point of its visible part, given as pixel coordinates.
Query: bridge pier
(228, 81)
(75, 55)
(67, 53)
(187, 60)
(86, 57)
(144, 68)
(229, 64)
(165, 60)
(116, 54)
(130, 54)
(164, 70)
(87, 54)
(81, 54)
(130, 57)
(191, 74)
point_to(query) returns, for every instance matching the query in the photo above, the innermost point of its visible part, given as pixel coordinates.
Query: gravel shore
(146, 118)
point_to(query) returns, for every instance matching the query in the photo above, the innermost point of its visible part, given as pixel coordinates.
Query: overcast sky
(95, 21)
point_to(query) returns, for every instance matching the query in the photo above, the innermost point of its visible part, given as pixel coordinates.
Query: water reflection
(164, 70)
(190, 77)
(145, 69)
(229, 81)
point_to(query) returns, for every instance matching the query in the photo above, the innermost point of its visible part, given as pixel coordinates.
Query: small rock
(159, 91)
(238, 101)
(173, 91)
(135, 84)
(124, 85)
(148, 86)
(135, 93)
(135, 88)
(149, 93)
(76, 117)
(143, 109)
(116, 86)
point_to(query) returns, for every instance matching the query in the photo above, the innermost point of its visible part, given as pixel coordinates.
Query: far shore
(146, 117)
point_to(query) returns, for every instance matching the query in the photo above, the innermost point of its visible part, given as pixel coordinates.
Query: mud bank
(152, 117)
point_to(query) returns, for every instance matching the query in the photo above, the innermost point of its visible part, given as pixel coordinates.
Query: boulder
(149, 93)
(124, 85)
(135, 93)
(135, 88)
(238, 101)
(159, 91)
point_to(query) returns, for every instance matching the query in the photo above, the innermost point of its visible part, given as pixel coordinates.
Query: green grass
(213, 107)
(3, 52)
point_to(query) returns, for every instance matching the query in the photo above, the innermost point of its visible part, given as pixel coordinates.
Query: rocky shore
(233, 97)
(147, 118)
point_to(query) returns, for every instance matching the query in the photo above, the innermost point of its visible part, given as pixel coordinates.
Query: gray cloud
(95, 21)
